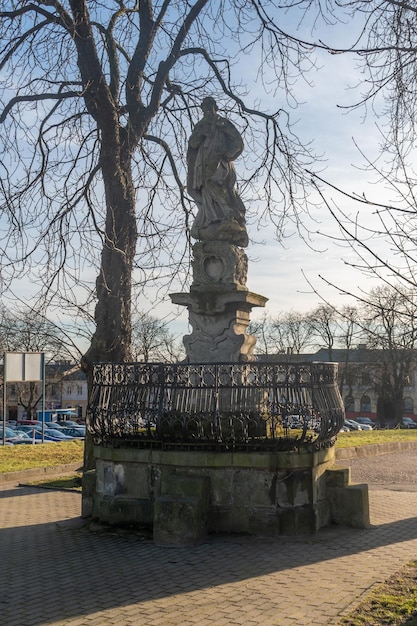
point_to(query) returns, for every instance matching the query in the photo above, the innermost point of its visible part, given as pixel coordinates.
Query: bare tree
(383, 36)
(152, 340)
(265, 338)
(348, 335)
(291, 331)
(26, 330)
(389, 326)
(322, 322)
(97, 101)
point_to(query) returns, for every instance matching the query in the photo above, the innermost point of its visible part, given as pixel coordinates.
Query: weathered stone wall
(258, 493)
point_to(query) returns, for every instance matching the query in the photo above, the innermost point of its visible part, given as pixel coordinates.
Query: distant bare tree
(152, 341)
(262, 330)
(323, 325)
(389, 325)
(291, 331)
(27, 330)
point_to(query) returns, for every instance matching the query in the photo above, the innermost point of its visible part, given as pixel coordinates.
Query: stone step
(180, 512)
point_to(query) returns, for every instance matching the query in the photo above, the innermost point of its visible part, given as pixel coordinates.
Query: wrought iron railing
(281, 406)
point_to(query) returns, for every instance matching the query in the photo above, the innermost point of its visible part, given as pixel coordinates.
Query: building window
(79, 390)
(349, 403)
(365, 379)
(408, 405)
(365, 404)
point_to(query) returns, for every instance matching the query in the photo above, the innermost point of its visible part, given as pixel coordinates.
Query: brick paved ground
(55, 572)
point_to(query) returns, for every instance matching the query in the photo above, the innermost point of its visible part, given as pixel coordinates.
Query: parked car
(29, 423)
(12, 437)
(57, 434)
(366, 427)
(353, 425)
(409, 423)
(36, 435)
(26, 428)
(365, 421)
(53, 425)
(10, 432)
(67, 423)
(24, 434)
(23, 438)
(76, 432)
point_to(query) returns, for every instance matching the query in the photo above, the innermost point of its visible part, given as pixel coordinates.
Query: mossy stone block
(180, 512)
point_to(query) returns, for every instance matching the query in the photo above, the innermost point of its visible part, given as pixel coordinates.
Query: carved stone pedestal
(219, 305)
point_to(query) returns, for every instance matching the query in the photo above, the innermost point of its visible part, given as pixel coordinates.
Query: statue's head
(209, 104)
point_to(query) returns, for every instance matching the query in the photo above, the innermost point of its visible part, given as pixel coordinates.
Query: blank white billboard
(23, 366)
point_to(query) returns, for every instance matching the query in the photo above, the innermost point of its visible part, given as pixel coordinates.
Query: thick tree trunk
(112, 338)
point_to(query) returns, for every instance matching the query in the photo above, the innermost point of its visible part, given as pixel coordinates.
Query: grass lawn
(22, 457)
(15, 458)
(369, 437)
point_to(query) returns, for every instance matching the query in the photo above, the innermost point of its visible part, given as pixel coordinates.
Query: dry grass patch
(369, 437)
(23, 457)
(393, 603)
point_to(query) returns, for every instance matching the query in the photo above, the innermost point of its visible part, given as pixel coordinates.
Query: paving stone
(74, 577)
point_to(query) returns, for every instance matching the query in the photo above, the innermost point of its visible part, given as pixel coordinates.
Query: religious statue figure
(213, 145)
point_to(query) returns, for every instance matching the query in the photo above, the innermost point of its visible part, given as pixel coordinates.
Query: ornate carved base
(219, 305)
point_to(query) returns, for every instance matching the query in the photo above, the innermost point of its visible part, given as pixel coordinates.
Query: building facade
(65, 387)
(362, 373)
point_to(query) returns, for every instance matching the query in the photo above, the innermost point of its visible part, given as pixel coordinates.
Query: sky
(292, 273)
(289, 266)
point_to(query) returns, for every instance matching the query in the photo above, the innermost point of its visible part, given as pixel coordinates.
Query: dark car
(22, 439)
(53, 425)
(67, 423)
(58, 435)
(409, 423)
(365, 421)
(78, 432)
(36, 435)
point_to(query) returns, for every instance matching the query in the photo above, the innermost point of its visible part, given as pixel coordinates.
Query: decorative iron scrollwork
(281, 406)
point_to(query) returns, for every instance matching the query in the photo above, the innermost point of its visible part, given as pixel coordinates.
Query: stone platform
(281, 493)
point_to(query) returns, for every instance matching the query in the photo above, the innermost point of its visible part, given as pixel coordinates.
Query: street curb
(40, 472)
(374, 450)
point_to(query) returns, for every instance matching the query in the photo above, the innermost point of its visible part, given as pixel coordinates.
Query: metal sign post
(4, 400)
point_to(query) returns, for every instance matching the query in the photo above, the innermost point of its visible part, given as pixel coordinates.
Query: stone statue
(213, 145)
